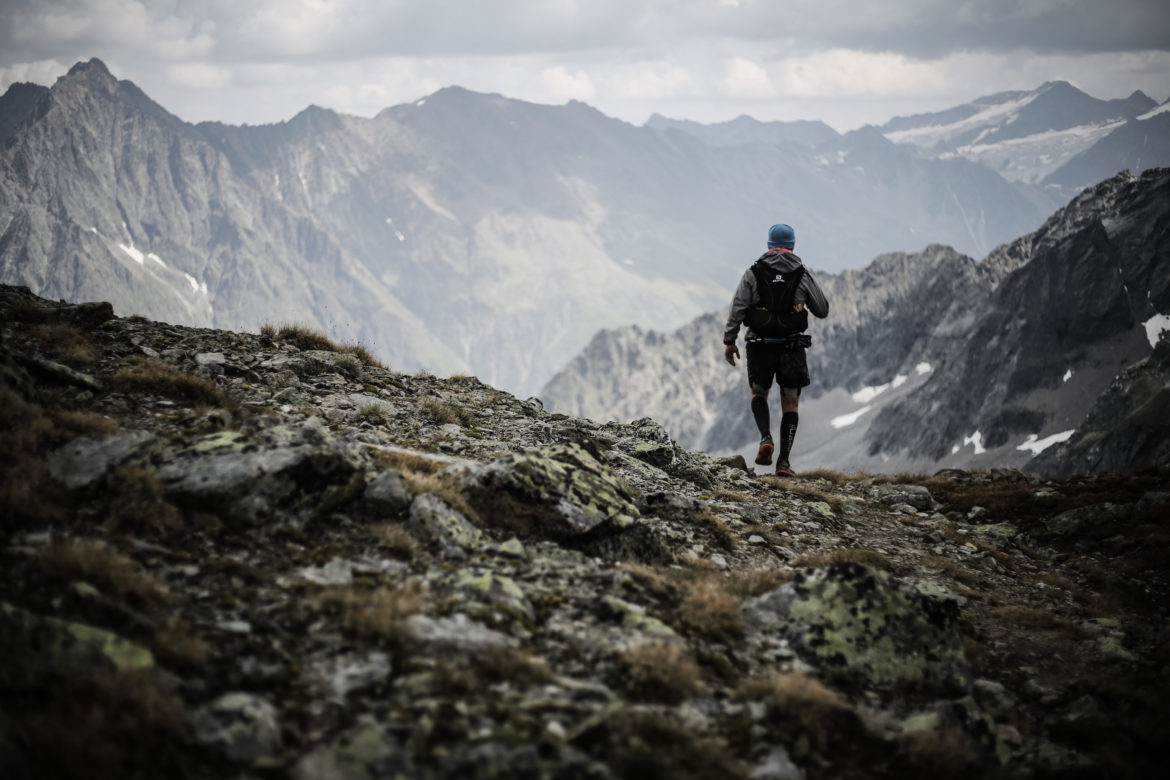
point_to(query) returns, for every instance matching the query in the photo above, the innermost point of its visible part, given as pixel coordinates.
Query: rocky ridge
(239, 555)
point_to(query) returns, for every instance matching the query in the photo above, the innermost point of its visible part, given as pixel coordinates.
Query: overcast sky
(848, 62)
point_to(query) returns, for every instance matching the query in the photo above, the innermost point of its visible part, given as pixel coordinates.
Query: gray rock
(241, 726)
(455, 635)
(433, 521)
(671, 506)
(85, 461)
(777, 766)
(337, 677)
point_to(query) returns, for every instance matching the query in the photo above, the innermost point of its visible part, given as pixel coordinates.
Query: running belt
(799, 341)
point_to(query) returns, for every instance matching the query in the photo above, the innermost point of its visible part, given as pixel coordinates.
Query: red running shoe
(784, 470)
(764, 456)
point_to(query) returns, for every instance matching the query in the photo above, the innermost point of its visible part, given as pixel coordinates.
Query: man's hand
(730, 353)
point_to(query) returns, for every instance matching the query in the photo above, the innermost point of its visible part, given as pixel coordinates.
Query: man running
(774, 298)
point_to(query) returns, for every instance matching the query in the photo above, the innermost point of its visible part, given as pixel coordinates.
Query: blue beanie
(781, 237)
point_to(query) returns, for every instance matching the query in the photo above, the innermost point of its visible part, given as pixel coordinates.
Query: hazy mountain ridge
(424, 230)
(930, 359)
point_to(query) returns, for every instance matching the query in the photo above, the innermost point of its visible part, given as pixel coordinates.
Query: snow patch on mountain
(845, 420)
(1036, 445)
(998, 114)
(1162, 109)
(1155, 326)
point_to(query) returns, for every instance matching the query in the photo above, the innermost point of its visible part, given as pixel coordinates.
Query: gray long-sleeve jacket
(809, 293)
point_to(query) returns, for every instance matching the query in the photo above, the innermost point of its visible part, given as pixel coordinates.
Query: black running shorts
(765, 362)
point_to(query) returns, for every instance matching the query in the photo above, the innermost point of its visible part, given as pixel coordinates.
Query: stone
(432, 521)
(555, 492)
(455, 635)
(366, 752)
(338, 676)
(670, 505)
(85, 461)
(241, 726)
(33, 645)
(863, 623)
(777, 766)
(336, 572)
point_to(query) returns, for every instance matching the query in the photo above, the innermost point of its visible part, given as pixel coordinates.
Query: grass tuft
(67, 344)
(379, 613)
(158, 378)
(137, 504)
(67, 560)
(711, 611)
(660, 672)
(444, 413)
(819, 560)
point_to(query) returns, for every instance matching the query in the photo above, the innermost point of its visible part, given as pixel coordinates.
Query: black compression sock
(788, 423)
(760, 412)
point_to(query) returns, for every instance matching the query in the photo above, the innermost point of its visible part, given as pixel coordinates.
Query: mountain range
(425, 231)
(1045, 354)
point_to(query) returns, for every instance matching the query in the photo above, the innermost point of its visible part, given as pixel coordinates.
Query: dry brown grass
(68, 560)
(755, 582)
(950, 568)
(372, 413)
(1038, 619)
(870, 558)
(74, 423)
(443, 413)
(833, 477)
(177, 646)
(942, 753)
(304, 337)
(709, 610)
(445, 488)
(659, 672)
(395, 538)
(806, 492)
(145, 376)
(648, 745)
(379, 613)
(393, 460)
(802, 708)
(137, 504)
(722, 535)
(67, 344)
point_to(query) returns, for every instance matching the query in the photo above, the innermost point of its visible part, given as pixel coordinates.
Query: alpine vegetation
(231, 554)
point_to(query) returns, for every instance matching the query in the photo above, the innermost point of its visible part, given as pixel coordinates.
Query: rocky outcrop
(229, 556)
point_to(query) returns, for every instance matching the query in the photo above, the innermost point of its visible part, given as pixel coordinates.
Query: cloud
(198, 75)
(748, 79)
(39, 72)
(563, 85)
(846, 61)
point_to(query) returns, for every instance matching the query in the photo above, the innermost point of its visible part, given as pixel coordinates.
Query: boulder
(866, 626)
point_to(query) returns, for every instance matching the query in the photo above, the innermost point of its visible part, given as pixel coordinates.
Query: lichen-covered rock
(556, 492)
(365, 752)
(432, 521)
(241, 726)
(865, 625)
(300, 469)
(34, 645)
